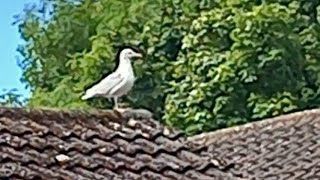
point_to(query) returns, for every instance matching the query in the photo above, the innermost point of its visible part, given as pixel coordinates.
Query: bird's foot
(120, 110)
(121, 107)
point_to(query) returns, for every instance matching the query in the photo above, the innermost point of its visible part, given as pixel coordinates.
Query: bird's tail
(87, 95)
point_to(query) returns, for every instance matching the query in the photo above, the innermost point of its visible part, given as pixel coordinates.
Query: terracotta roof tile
(49, 144)
(285, 147)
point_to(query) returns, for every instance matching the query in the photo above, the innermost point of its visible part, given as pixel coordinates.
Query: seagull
(119, 82)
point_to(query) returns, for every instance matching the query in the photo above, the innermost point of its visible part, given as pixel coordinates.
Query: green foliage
(243, 60)
(208, 64)
(11, 98)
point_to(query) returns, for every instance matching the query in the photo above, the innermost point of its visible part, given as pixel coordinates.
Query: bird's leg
(121, 110)
(116, 103)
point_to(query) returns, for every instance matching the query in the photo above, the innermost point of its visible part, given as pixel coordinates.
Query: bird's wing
(106, 85)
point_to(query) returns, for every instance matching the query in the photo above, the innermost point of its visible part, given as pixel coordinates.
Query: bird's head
(130, 53)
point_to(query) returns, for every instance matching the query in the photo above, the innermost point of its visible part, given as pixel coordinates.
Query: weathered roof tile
(285, 147)
(49, 144)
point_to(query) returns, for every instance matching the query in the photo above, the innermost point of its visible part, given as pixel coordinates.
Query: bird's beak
(138, 55)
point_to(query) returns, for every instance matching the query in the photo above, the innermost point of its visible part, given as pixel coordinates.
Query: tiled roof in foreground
(49, 144)
(285, 147)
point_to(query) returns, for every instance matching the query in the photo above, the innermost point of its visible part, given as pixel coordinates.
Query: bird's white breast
(127, 72)
(127, 86)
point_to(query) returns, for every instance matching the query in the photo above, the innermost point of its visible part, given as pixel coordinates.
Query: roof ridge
(111, 114)
(268, 123)
(116, 120)
(143, 113)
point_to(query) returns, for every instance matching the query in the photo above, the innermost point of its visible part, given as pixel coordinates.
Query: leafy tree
(246, 60)
(11, 98)
(208, 65)
(77, 45)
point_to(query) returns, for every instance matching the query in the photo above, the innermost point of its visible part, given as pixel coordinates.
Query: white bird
(118, 83)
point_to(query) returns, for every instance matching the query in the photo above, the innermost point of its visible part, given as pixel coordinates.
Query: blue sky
(10, 73)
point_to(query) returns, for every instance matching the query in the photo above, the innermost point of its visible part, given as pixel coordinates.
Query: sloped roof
(50, 144)
(285, 147)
